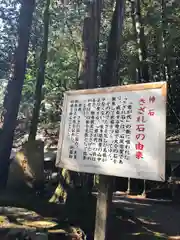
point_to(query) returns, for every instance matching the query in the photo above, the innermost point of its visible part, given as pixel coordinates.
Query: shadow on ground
(155, 218)
(131, 219)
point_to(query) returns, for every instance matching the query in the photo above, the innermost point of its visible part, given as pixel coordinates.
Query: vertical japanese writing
(74, 127)
(151, 111)
(107, 126)
(140, 123)
(107, 129)
(140, 128)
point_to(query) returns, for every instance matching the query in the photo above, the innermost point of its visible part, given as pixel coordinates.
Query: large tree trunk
(13, 95)
(91, 29)
(110, 69)
(142, 68)
(143, 73)
(90, 38)
(40, 76)
(109, 78)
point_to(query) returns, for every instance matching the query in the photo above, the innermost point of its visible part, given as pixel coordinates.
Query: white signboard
(117, 131)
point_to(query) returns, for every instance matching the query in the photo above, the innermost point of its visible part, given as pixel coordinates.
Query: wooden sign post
(103, 207)
(115, 131)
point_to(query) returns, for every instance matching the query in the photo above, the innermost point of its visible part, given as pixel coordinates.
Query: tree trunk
(109, 77)
(110, 69)
(40, 75)
(164, 62)
(88, 77)
(138, 69)
(91, 29)
(143, 72)
(14, 89)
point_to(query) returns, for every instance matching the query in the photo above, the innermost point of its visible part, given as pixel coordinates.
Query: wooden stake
(104, 203)
(144, 188)
(129, 186)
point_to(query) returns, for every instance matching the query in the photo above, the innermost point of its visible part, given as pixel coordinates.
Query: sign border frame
(125, 88)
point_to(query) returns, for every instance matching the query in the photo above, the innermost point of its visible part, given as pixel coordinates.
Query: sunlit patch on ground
(15, 221)
(153, 235)
(136, 196)
(174, 237)
(39, 224)
(21, 218)
(125, 201)
(148, 221)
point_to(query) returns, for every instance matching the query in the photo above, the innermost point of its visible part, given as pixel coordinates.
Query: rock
(27, 167)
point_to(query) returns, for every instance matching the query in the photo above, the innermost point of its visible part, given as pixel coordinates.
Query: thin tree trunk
(164, 64)
(14, 89)
(40, 76)
(133, 13)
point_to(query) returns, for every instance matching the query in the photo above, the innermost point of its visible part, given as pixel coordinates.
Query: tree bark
(91, 29)
(110, 70)
(40, 76)
(90, 38)
(143, 72)
(14, 89)
(138, 70)
(164, 61)
(109, 78)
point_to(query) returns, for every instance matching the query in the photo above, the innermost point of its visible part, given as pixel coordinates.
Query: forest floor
(153, 218)
(132, 218)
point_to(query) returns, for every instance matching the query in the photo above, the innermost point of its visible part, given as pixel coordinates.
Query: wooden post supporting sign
(103, 207)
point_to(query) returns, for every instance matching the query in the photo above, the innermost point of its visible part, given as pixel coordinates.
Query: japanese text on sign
(111, 132)
(141, 123)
